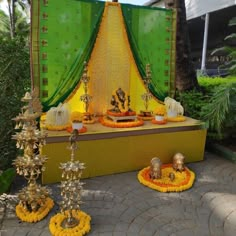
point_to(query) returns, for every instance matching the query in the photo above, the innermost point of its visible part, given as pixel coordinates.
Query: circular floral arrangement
(82, 228)
(145, 118)
(182, 181)
(31, 217)
(159, 122)
(83, 130)
(176, 119)
(124, 124)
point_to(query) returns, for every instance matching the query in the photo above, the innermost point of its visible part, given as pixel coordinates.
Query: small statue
(178, 162)
(173, 107)
(172, 176)
(121, 96)
(115, 104)
(155, 168)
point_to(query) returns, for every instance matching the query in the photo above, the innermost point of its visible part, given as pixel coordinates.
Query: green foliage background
(215, 104)
(14, 82)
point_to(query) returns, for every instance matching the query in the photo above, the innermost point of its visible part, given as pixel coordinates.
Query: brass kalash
(29, 163)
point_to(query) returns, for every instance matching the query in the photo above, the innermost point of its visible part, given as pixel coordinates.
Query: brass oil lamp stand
(86, 98)
(29, 163)
(71, 187)
(146, 97)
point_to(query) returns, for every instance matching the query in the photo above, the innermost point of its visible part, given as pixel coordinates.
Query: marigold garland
(176, 119)
(82, 130)
(31, 217)
(183, 180)
(159, 122)
(82, 228)
(124, 124)
(145, 118)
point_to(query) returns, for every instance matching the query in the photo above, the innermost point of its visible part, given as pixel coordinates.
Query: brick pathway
(120, 206)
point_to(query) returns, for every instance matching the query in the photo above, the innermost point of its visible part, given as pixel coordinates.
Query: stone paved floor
(119, 205)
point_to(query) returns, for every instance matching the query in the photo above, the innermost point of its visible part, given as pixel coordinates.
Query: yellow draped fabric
(111, 66)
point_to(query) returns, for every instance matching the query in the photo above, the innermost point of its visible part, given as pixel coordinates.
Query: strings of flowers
(182, 181)
(33, 217)
(55, 225)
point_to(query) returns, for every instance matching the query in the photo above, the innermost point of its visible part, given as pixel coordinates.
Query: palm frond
(223, 51)
(231, 37)
(233, 56)
(232, 69)
(217, 110)
(4, 21)
(232, 22)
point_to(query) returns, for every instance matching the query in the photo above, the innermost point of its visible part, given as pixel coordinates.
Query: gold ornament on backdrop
(147, 96)
(34, 202)
(86, 98)
(71, 220)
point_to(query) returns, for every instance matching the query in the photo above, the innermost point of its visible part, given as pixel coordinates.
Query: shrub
(14, 82)
(215, 104)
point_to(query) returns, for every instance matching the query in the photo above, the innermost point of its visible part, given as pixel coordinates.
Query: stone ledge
(222, 151)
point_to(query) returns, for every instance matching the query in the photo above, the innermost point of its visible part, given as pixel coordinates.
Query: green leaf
(231, 36)
(232, 22)
(6, 179)
(223, 51)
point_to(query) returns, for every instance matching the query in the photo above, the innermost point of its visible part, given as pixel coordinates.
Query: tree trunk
(12, 15)
(186, 78)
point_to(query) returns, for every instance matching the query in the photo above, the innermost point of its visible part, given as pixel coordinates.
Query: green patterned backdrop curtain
(150, 35)
(68, 30)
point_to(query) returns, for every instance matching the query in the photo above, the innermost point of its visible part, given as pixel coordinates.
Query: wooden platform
(107, 150)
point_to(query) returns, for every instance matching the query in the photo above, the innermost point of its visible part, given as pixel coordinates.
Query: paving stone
(162, 233)
(149, 228)
(22, 231)
(121, 227)
(185, 232)
(142, 219)
(218, 217)
(120, 205)
(7, 232)
(104, 234)
(230, 224)
(118, 234)
(46, 232)
(201, 230)
(134, 228)
(35, 232)
(11, 222)
(102, 228)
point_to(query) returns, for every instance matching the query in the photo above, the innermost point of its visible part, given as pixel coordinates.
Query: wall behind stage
(116, 42)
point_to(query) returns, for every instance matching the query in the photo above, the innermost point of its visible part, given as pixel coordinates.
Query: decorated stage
(107, 150)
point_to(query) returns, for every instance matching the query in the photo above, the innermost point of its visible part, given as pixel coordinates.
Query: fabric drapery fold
(68, 31)
(150, 35)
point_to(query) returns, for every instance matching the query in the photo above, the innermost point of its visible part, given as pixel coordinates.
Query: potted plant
(77, 120)
(160, 113)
